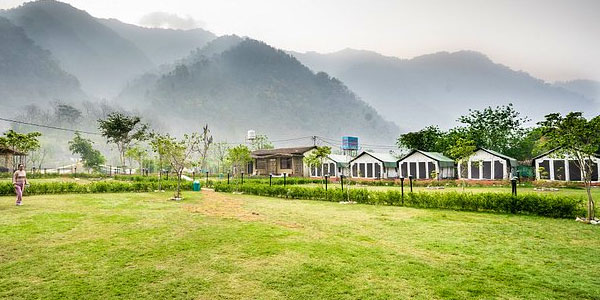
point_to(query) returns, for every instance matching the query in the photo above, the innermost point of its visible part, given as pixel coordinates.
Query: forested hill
(101, 59)
(437, 88)
(162, 46)
(28, 74)
(254, 86)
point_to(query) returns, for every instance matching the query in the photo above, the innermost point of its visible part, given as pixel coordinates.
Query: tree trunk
(591, 209)
(159, 171)
(179, 173)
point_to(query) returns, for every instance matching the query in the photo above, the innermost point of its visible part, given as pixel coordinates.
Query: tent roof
(443, 160)
(513, 161)
(340, 158)
(387, 159)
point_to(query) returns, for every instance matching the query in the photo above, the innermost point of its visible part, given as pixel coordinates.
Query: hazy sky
(551, 39)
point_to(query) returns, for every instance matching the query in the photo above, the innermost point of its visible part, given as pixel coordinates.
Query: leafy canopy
(429, 138)
(238, 156)
(92, 158)
(22, 142)
(578, 138)
(261, 142)
(498, 129)
(315, 158)
(122, 130)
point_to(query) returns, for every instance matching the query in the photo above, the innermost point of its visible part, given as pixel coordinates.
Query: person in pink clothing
(19, 181)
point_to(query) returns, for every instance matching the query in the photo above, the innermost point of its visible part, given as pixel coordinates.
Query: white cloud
(161, 19)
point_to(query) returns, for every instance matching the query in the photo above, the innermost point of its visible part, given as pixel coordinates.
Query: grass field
(213, 246)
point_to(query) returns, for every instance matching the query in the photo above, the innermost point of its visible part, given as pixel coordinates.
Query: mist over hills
(181, 79)
(162, 46)
(100, 58)
(29, 73)
(438, 88)
(587, 88)
(252, 85)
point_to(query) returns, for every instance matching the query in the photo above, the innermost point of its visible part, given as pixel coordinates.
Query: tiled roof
(4, 150)
(282, 151)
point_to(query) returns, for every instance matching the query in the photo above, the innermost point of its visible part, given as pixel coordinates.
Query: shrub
(6, 188)
(542, 205)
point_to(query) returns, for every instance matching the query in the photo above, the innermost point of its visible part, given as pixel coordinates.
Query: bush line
(6, 188)
(530, 204)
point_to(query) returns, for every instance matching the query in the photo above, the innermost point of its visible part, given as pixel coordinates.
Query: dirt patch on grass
(224, 206)
(227, 206)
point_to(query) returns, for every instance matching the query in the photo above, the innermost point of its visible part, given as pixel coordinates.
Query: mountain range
(184, 78)
(438, 88)
(251, 85)
(28, 72)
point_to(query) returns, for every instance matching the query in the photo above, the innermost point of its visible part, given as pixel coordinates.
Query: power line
(48, 126)
(375, 146)
(329, 141)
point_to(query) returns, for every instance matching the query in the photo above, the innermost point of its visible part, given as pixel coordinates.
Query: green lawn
(213, 246)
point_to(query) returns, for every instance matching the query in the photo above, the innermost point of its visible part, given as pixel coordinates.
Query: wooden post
(402, 189)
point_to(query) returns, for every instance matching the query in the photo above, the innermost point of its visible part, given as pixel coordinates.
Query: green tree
(158, 144)
(122, 130)
(500, 129)
(575, 137)
(178, 154)
(92, 158)
(316, 157)
(219, 153)
(261, 142)
(20, 142)
(427, 139)
(138, 154)
(67, 113)
(460, 152)
(239, 156)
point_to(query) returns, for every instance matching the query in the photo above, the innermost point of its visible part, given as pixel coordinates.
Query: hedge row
(532, 204)
(6, 188)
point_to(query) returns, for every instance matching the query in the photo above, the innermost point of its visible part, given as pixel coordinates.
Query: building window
(285, 163)
(261, 164)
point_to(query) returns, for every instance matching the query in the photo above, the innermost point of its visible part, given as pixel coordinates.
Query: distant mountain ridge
(587, 88)
(81, 44)
(230, 81)
(438, 88)
(29, 73)
(251, 85)
(162, 46)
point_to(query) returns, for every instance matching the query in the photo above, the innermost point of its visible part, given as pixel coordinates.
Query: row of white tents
(483, 164)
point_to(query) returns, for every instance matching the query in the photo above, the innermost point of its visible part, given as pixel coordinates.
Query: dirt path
(223, 205)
